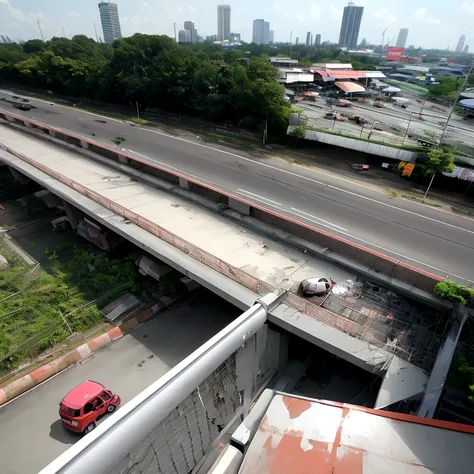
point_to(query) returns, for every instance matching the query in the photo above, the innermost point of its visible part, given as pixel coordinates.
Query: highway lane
(31, 435)
(434, 240)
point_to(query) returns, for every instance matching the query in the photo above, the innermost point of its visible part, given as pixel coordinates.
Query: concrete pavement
(425, 237)
(30, 432)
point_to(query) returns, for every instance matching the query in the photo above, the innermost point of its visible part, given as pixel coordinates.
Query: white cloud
(468, 7)
(421, 14)
(13, 13)
(385, 15)
(72, 14)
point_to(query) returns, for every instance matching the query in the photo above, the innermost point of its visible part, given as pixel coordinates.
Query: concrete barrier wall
(325, 242)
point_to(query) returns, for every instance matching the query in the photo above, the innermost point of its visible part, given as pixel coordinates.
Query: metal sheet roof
(349, 87)
(302, 436)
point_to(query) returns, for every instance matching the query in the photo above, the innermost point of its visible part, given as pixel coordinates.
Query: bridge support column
(17, 176)
(183, 183)
(52, 133)
(84, 145)
(74, 215)
(239, 206)
(122, 159)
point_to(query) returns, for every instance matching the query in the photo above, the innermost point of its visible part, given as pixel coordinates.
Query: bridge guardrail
(368, 258)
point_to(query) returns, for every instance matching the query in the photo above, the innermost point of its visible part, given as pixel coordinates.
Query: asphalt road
(429, 238)
(31, 435)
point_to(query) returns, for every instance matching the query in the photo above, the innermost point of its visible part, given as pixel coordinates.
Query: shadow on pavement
(59, 433)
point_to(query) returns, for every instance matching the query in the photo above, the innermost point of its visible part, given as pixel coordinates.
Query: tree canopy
(438, 161)
(200, 80)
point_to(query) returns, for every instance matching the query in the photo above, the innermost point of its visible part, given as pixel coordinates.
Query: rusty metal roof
(303, 436)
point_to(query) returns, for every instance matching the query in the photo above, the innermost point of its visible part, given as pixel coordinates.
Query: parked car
(83, 406)
(316, 286)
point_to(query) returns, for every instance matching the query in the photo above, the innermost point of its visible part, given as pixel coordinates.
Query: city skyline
(435, 26)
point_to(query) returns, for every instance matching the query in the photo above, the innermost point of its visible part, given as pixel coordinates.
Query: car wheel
(110, 408)
(89, 428)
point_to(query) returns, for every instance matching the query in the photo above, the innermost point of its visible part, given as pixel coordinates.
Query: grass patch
(40, 310)
(118, 141)
(139, 121)
(391, 193)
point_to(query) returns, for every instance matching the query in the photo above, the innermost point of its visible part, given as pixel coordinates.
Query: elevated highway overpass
(247, 266)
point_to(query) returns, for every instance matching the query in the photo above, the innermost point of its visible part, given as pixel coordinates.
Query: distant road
(426, 237)
(31, 435)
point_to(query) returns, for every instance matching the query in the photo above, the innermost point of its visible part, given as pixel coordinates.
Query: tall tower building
(271, 37)
(317, 41)
(189, 26)
(261, 32)
(460, 45)
(109, 17)
(308, 38)
(223, 22)
(350, 26)
(402, 38)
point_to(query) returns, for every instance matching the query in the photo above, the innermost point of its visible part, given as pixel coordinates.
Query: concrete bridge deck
(235, 262)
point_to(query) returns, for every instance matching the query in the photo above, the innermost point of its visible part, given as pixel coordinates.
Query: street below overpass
(426, 237)
(31, 434)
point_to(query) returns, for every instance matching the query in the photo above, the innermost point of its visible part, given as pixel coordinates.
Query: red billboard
(394, 54)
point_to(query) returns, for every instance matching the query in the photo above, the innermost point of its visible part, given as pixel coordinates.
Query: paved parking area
(31, 434)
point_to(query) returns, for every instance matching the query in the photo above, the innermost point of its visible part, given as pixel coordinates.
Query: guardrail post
(52, 133)
(239, 206)
(183, 183)
(84, 145)
(27, 124)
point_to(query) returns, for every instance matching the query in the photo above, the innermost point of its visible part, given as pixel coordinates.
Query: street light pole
(455, 102)
(428, 188)
(408, 127)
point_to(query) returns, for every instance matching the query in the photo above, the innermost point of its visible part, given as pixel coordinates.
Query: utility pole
(41, 32)
(96, 35)
(175, 39)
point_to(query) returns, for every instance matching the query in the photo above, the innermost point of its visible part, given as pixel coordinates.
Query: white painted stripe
(304, 214)
(258, 197)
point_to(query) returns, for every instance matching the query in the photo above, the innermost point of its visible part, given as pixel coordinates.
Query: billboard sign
(394, 54)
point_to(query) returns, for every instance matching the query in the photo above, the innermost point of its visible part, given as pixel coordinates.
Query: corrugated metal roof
(303, 436)
(349, 87)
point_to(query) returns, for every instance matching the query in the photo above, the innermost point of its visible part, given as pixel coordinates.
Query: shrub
(450, 290)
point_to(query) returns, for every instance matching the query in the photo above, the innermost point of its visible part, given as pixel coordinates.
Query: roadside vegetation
(39, 309)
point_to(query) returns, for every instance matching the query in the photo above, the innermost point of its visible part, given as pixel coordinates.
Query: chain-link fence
(178, 443)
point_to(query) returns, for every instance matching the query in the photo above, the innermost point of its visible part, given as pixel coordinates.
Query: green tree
(450, 290)
(438, 161)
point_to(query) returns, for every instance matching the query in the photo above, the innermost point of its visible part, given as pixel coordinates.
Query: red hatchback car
(82, 406)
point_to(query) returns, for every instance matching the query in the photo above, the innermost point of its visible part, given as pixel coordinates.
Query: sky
(436, 24)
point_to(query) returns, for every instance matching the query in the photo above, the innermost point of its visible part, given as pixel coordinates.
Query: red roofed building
(287, 434)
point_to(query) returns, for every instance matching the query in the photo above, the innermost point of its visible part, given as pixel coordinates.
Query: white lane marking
(311, 217)
(257, 197)
(166, 165)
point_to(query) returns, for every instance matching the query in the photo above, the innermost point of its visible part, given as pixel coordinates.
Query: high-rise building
(466, 49)
(271, 37)
(189, 26)
(109, 17)
(402, 38)
(297, 41)
(261, 32)
(223, 22)
(235, 38)
(350, 26)
(308, 38)
(317, 41)
(182, 37)
(460, 44)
